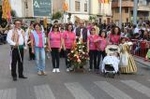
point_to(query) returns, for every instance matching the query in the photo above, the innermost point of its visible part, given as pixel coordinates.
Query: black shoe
(23, 77)
(14, 79)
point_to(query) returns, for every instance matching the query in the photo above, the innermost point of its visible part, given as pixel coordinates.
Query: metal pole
(135, 12)
(120, 14)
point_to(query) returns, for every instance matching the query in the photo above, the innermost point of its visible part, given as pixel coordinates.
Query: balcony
(124, 4)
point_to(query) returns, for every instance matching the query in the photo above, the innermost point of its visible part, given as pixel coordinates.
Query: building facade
(143, 10)
(126, 12)
(77, 9)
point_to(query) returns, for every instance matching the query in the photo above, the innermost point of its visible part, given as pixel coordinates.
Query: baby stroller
(110, 63)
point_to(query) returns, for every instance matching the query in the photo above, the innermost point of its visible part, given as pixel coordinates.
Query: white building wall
(94, 7)
(17, 6)
(81, 14)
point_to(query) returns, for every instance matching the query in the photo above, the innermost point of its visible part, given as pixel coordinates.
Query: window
(117, 10)
(77, 5)
(85, 7)
(126, 10)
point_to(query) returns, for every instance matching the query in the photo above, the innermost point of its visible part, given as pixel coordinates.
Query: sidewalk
(141, 60)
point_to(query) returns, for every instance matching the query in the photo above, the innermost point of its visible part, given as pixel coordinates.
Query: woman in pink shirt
(37, 43)
(69, 38)
(55, 45)
(115, 35)
(101, 43)
(91, 47)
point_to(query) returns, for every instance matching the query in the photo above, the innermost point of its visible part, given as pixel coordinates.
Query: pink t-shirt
(92, 44)
(40, 39)
(55, 39)
(114, 39)
(102, 44)
(69, 38)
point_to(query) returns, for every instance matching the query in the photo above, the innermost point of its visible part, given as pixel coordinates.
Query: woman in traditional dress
(127, 63)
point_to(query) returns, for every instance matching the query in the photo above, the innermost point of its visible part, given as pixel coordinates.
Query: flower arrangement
(78, 55)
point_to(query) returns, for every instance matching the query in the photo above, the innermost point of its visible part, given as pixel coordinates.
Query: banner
(103, 1)
(42, 7)
(65, 6)
(6, 9)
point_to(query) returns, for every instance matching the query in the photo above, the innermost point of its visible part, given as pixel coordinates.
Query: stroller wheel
(105, 74)
(113, 75)
(118, 73)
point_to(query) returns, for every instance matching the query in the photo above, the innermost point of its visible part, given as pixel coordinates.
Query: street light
(135, 12)
(120, 14)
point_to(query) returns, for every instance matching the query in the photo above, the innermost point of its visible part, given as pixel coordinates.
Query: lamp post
(120, 14)
(135, 12)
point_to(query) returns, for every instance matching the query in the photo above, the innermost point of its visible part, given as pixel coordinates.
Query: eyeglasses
(55, 27)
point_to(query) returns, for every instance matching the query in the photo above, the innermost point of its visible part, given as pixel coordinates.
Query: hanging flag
(6, 9)
(65, 6)
(106, 1)
(45, 22)
(101, 1)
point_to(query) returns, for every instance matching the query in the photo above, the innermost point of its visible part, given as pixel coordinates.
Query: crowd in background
(58, 39)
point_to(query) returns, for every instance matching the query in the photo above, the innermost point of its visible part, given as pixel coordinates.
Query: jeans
(40, 58)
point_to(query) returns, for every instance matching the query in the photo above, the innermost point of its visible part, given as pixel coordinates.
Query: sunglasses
(55, 27)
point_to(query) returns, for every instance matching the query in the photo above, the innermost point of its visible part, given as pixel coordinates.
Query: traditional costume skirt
(131, 67)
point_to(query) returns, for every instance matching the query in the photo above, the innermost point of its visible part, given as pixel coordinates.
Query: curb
(140, 60)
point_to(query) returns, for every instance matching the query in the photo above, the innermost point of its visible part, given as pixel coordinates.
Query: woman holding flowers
(55, 45)
(91, 48)
(69, 38)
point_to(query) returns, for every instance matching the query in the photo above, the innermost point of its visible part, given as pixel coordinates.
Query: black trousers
(31, 55)
(101, 54)
(68, 63)
(93, 56)
(17, 58)
(55, 57)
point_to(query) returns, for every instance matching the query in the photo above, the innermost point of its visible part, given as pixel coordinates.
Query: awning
(81, 17)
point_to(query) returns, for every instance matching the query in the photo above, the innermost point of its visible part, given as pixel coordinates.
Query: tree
(57, 15)
(13, 13)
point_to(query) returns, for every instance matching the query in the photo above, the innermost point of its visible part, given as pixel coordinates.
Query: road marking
(43, 92)
(137, 86)
(112, 90)
(78, 91)
(8, 93)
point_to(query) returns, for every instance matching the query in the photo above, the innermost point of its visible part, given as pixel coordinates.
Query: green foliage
(57, 15)
(13, 13)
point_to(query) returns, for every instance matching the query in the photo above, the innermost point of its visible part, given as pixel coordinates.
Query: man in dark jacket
(81, 32)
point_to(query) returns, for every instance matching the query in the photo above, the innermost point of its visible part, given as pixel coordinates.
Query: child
(127, 63)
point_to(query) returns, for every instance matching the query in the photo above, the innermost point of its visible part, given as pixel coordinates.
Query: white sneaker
(57, 70)
(54, 70)
(67, 70)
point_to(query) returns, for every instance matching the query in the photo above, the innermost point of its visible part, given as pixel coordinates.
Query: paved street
(72, 85)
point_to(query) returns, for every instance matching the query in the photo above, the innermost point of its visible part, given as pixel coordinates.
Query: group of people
(57, 39)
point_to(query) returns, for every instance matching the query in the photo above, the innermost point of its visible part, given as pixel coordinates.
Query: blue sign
(42, 7)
